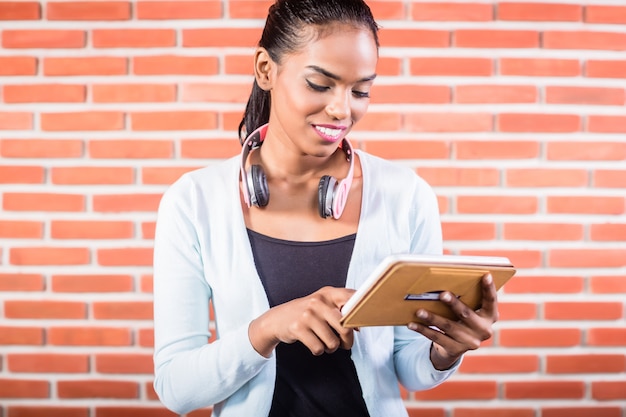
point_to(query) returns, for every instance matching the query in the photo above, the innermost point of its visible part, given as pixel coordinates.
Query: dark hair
(282, 34)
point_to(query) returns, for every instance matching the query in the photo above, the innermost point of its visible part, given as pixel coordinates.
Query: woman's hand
(313, 320)
(451, 339)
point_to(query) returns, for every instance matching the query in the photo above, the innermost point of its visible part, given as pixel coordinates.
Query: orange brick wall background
(514, 111)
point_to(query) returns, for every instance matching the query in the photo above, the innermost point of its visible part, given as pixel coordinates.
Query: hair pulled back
(283, 34)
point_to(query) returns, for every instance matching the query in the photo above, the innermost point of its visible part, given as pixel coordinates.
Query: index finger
(490, 297)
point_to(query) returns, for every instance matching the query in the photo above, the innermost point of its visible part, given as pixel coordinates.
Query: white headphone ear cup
(325, 191)
(257, 186)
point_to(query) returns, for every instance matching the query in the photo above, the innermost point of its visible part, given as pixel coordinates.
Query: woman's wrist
(260, 337)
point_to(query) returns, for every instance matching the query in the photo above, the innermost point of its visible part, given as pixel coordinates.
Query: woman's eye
(361, 94)
(316, 87)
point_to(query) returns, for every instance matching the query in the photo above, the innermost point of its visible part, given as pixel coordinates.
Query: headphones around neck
(332, 194)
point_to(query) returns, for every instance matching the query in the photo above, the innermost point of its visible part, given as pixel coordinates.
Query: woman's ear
(264, 68)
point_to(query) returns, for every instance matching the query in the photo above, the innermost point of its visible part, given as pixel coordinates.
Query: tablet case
(402, 284)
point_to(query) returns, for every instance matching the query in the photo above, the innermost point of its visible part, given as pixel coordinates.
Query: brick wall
(514, 111)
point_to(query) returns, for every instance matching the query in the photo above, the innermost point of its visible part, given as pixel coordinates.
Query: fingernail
(421, 314)
(412, 326)
(488, 279)
(446, 297)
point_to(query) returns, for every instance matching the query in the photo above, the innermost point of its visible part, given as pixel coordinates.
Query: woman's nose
(339, 107)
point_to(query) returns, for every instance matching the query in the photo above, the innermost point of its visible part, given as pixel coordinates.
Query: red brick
(585, 363)
(23, 388)
(608, 232)
(92, 175)
(483, 38)
(605, 68)
(422, 411)
(89, 336)
(122, 310)
(21, 282)
(176, 65)
(20, 174)
(608, 390)
(494, 412)
(45, 309)
(477, 204)
(86, 65)
(146, 337)
(82, 121)
(593, 411)
(47, 411)
(209, 148)
(517, 311)
(126, 202)
(133, 93)
(112, 411)
(539, 123)
(98, 389)
(448, 66)
(586, 205)
(131, 149)
(39, 201)
(586, 151)
(588, 258)
(610, 178)
(463, 12)
(43, 38)
(537, 177)
(583, 310)
(607, 124)
(468, 231)
(45, 93)
(610, 336)
(163, 175)
(243, 65)
(41, 148)
(499, 364)
(544, 390)
(48, 363)
(20, 10)
(124, 363)
(487, 149)
(147, 285)
(545, 285)
(16, 121)
(169, 10)
(147, 230)
(611, 41)
(462, 177)
(585, 95)
(539, 12)
(543, 231)
(92, 283)
(608, 284)
(605, 14)
(251, 9)
(125, 257)
(222, 37)
(26, 336)
(410, 94)
(415, 38)
(174, 120)
(89, 10)
(449, 122)
(495, 94)
(18, 65)
(49, 256)
(540, 67)
(91, 229)
(539, 337)
(459, 390)
(216, 92)
(133, 38)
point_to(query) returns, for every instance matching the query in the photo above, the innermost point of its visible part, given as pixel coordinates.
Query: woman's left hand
(451, 339)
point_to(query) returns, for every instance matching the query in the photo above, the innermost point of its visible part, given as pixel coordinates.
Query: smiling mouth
(329, 133)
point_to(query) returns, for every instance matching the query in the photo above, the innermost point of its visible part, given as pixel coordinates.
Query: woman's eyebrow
(336, 77)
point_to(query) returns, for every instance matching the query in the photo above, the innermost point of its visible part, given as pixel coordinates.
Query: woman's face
(320, 92)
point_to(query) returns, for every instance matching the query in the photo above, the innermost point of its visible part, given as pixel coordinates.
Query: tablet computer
(402, 284)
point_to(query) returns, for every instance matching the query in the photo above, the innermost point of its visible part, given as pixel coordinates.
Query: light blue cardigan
(202, 253)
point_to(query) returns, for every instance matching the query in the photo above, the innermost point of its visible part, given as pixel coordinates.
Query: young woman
(277, 238)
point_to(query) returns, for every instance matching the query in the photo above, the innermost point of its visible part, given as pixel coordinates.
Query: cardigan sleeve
(190, 372)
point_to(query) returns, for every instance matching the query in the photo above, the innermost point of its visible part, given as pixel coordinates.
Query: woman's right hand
(313, 320)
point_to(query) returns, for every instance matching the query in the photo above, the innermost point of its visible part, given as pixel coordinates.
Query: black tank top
(307, 385)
